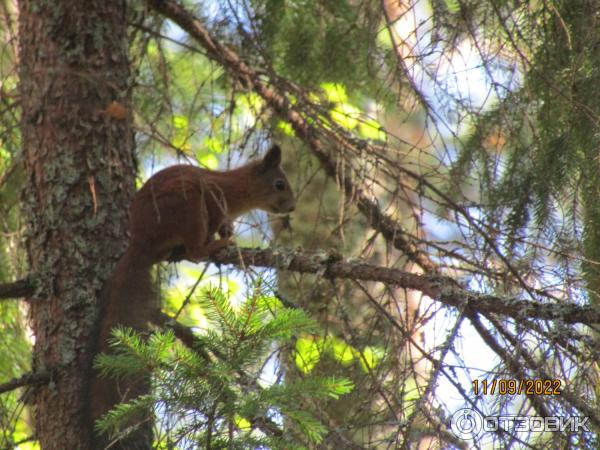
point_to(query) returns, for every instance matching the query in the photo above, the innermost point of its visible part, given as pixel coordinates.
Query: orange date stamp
(511, 386)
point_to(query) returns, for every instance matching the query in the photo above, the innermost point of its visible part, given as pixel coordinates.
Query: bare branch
(18, 289)
(441, 288)
(29, 379)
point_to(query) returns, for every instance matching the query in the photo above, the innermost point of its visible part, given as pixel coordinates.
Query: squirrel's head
(273, 191)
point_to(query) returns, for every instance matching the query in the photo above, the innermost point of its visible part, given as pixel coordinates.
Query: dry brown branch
(18, 289)
(28, 379)
(441, 288)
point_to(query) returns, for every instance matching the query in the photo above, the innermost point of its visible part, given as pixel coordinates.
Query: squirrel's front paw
(197, 254)
(214, 246)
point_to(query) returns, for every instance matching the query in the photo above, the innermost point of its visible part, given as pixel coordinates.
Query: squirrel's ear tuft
(272, 159)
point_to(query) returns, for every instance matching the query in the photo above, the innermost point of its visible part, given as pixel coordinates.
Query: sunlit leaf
(371, 357)
(252, 101)
(371, 129)
(33, 445)
(453, 6)
(5, 157)
(342, 352)
(242, 424)
(411, 390)
(181, 141)
(308, 354)
(272, 302)
(346, 115)
(339, 386)
(180, 122)
(209, 161)
(335, 93)
(213, 144)
(286, 128)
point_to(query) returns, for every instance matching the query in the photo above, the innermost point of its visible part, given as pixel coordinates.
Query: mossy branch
(440, 288)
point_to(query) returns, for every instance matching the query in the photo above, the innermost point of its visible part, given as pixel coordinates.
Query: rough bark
(79, 172)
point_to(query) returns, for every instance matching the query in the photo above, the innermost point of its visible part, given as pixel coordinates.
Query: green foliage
(177, 87)
(15, 361)
(220, 391)
(313, 41)
(343, 112)
(309, 350)
(123, 413)
(15, 348)
(538, 176)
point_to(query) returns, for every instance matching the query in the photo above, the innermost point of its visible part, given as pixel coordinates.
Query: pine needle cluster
(226, 391)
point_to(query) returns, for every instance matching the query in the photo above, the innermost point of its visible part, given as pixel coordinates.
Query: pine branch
(29, 379)
(183, 333)
(441, 288)
(189, 339)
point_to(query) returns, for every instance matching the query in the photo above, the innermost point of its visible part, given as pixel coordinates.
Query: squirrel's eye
(279, 185)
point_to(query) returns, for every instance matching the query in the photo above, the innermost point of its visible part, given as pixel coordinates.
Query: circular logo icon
(466, 423)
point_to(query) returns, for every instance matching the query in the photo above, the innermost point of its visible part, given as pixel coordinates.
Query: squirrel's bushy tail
(128, 300)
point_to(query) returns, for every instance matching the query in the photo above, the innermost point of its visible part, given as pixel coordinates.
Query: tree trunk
(77, 144)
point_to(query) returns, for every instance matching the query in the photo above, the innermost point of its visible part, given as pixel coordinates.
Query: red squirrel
(174, 216)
